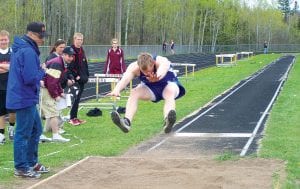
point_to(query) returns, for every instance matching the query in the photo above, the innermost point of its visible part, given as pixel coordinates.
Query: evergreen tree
(284, 6)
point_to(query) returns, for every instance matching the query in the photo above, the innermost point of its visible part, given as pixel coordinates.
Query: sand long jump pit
(167, 173)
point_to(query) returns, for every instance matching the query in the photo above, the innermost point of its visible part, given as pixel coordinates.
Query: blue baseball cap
(69, 50)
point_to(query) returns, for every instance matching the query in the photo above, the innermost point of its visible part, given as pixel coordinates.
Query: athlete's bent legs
(141, 92)
(170, 92)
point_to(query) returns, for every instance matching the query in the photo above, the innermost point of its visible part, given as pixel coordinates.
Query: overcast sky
(256, 2)
(273, 3)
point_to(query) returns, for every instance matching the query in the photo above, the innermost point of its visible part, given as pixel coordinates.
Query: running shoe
(59, 138)
(39, 168)
(169, 121)
(74, 122)
(81, 121)
(43, 138)
(122, 123)
(27, 174)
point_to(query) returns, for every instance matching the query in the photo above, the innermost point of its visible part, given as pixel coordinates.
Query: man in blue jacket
(23, 96)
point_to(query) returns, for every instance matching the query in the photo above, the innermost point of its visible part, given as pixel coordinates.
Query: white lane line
(259, 123)
(58, 174)
(214, 135)
(217, 103)
(71, 146)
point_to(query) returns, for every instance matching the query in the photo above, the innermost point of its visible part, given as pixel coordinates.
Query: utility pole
(118, 20)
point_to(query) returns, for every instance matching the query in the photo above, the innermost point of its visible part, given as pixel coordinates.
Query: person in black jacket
(80, 71)
(265, 47)
(164, 47)
(5, 53)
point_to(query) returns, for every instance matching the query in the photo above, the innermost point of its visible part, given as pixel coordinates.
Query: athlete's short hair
(144, 60)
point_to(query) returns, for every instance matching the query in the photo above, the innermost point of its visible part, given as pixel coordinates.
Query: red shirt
(115, 63)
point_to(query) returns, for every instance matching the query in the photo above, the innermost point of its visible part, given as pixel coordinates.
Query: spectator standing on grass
(56, 79)
(115, 63)
(164, 47)
(172, 46)
(158, 82)
(80, 71)
(56, 50)
(5, 53)
(23, 95)
(265, 47)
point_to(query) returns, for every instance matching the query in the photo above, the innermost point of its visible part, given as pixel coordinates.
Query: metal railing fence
(131, 51)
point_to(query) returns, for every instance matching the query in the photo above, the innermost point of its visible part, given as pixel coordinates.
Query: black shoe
(122, 123)
(170, 121)
(27, 174)
(121, 110)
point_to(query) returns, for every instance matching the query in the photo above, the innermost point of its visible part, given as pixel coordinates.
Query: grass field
(282, 135)
(99, 137)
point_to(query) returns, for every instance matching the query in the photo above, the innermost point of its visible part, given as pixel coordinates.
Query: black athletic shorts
(3, 110)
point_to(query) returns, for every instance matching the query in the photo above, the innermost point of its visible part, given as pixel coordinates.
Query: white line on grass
(217, 103)
(57, 174)
(71, 146)
(214, 135)
(246, 147)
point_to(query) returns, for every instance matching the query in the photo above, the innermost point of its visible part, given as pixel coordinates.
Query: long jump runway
(233, 122)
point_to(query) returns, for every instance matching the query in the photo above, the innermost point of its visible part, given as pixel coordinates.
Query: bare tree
(80, 15)
(118, 20)
(127, 21)
(202, 25)
(76, 16)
